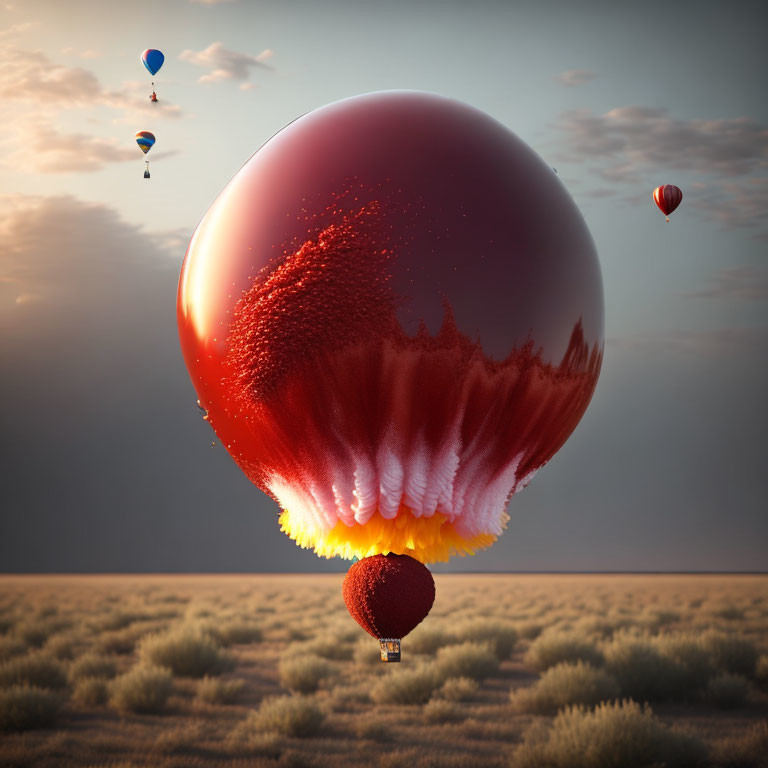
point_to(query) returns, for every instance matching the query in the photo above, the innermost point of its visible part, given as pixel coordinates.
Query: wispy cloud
(572, 78)
(225, 64)
(87, 53)
(31, 77)
(736, 205)
(57, 251)
(629, 139)
(745, 283)
(629, 145)
(46, 150)
(712, 342)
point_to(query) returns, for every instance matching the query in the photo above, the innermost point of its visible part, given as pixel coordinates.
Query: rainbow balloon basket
(390, 648)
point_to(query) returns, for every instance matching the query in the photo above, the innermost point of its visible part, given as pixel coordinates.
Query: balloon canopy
(152, 60)
(145, 140)
(393, 316)
(667, 197)
(388, 595)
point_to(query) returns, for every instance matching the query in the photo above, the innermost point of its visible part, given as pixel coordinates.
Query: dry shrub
(237, 633)
(694, 665)
(117, 620)
(500, 635)
(251, 744)
(122, 641)
(351, 697)
(142, 690)
(372, 730)
(10, 647)
(441, 711)
(747, 750)
(36, 631)
(303, 674)
(730, 613)
(24, 707)
(761, 672)
(63, 647)
(643, 673)
(92, 665)
(406, 686)
(458, 689)
(38, 670)
(296, 716)
(529, 630)
(618, 735)
(565, 685)
(366, 652)
(555, 646)
(426, 639)
(90, 692)
(474, 660)
(731, 653)
(186, 650)
(330, 647)
(211, 690)
(728, 691)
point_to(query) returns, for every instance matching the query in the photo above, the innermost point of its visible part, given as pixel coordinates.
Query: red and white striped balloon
(667, 197)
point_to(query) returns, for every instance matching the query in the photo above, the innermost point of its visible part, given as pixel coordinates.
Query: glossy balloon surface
(152, 59)
(393, 316)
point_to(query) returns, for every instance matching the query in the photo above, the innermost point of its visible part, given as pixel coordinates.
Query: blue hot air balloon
(152, 60)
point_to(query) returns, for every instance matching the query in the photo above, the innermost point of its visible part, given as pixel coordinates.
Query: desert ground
(520, 671)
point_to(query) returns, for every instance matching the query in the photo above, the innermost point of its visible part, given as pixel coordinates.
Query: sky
(105, 463)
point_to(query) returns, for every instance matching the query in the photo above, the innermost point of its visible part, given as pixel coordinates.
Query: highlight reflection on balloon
(393, 316)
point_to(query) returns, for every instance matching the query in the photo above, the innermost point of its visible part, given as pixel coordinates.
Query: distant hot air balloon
(393, 316)
(152, 60)
(146, 141)
(667, 197)
(389, 595)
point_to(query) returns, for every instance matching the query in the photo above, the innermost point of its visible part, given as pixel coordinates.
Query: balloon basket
(390, 649)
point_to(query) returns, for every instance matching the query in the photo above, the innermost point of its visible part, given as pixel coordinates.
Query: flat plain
(519, 671)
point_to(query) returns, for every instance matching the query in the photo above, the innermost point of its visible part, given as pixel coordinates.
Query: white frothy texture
(458, 482)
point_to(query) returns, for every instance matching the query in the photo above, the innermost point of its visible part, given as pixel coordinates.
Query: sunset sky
(106, 463)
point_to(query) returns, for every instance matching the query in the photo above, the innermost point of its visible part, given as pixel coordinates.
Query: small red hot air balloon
(667, 197)
(388, 596)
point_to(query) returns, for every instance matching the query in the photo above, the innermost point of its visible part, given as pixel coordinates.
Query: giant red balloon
(393, 315)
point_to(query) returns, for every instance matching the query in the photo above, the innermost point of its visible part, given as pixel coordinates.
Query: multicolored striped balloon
(145, 140)
(152, 60)
(667, 197)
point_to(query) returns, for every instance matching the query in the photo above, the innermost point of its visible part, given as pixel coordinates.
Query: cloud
(88, 53)
(629, 139)
(715, 342)
(225, 64)
(46, 150)
(31, 77)
(745, 283)
(210, 2)
(107, 463)
(16, 29)
(736, 205)
(575, 77)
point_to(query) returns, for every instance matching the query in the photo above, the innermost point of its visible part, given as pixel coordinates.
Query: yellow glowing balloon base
(427, 539)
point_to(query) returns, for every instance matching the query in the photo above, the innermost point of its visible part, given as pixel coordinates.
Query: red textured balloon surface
(393, 308)
(388, 595)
